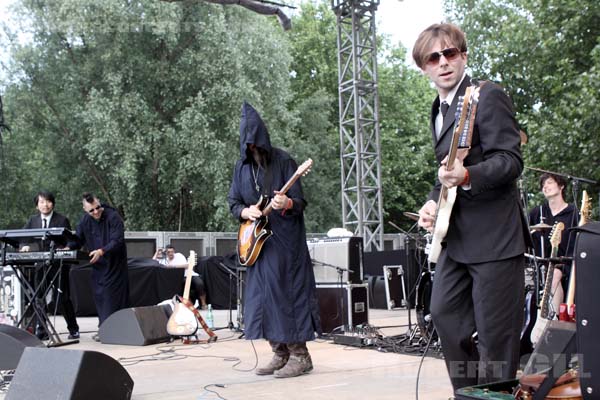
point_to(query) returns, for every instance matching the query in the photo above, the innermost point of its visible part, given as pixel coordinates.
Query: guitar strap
(266, 188)
(211, 335)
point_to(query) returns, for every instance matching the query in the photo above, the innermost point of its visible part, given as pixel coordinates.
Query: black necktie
(444, 108)
(44, 224)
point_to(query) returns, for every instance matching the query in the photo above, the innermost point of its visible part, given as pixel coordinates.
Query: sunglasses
(450, 54)
(94, 209)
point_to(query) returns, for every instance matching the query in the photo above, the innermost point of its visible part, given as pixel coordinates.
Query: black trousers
(486, 298)
(64, 297)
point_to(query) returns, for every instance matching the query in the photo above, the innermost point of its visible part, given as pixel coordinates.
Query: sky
(405, 19)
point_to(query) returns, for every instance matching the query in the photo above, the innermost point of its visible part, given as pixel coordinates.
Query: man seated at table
(169, 258)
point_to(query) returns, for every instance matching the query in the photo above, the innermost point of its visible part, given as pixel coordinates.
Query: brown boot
(296, 366)
(276, 363)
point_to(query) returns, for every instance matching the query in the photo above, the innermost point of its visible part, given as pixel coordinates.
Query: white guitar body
(442, 223)
(541, 322)
(182, 322)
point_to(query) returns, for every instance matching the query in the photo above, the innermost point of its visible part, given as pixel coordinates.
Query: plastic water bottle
(210, 319)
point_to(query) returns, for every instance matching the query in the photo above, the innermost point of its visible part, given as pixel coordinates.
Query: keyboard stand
(36, 295)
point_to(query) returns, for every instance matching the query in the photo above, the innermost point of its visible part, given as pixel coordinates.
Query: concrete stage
(170, 371)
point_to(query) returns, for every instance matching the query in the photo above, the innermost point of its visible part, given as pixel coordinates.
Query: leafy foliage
(139, 102)
(547, 54)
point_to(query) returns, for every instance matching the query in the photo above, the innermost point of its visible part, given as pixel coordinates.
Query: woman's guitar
(461, 139)
(544, 314)
(253, 234)
(186, 319)
(566, 311)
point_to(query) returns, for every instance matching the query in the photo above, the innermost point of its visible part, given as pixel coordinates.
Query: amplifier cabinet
(337, 257)
(343, 306)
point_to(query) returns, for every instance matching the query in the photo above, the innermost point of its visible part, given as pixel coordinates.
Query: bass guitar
(186, 320)
(461, 139)
(544, 314)
(566, 311)
(253, 234)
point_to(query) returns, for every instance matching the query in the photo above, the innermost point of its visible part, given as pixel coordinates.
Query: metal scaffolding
(360, 155)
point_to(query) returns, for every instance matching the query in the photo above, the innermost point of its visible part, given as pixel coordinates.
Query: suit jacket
(487, 223)
(35, 222)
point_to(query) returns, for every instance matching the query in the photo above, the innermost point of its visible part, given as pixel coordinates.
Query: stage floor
(170, 371)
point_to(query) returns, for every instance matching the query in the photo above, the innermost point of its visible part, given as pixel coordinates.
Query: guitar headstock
(556, 233)
(304, 168)
(586, 209)
(192, 259)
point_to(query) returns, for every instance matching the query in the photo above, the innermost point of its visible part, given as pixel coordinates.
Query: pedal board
(360, 336)
(355, 341)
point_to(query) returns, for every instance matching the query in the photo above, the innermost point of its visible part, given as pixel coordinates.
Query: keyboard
(39, 256)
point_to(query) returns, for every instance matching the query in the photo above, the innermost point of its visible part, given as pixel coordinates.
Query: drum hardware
(411, 215)
(540, 227)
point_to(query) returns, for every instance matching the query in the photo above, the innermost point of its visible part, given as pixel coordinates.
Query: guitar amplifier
(343, 307)
(335, 258)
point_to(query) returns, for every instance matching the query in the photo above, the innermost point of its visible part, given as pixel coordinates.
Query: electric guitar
(186, 319)
(253, 234)
(544, 314)
(566, 311)
(461, 139)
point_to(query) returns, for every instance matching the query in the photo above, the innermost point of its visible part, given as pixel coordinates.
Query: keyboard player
(46, 217)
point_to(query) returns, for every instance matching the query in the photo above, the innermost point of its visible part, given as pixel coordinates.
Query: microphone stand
(231, 276)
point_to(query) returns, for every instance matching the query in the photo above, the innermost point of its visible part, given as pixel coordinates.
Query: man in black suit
(47, 218)
(478, 283)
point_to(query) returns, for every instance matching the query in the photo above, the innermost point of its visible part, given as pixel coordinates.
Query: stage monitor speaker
(69, 375)
(137, 326)
(13, 342)
(335, 258)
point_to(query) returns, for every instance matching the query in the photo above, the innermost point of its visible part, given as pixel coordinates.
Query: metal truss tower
(360, 154)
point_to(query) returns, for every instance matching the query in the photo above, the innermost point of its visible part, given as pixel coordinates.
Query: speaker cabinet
(338, 259)
(13, 342)
(69, 375)
(137, 326)
(340, 306)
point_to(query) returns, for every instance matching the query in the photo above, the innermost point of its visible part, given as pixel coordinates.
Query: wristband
(467, 179)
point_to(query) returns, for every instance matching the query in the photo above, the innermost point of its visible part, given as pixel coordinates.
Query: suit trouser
(486, 298)
(65, 299)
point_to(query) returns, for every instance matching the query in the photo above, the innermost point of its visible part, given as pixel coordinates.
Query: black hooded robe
(110, 278)
(280, 302)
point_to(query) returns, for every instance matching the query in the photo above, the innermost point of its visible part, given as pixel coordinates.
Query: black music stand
(34, 294)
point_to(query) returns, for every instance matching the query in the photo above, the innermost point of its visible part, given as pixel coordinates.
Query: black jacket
(487, 222)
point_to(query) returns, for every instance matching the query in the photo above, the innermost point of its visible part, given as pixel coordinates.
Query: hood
(252, 131)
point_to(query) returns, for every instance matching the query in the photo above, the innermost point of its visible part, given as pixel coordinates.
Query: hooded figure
(280, 302)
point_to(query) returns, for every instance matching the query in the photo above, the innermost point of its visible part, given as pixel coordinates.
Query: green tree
(546, 53)
(408, 164)
(140, 103)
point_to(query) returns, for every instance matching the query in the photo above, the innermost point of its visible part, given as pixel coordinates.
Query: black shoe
(73, 335)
